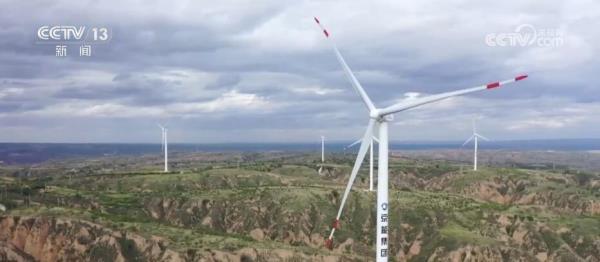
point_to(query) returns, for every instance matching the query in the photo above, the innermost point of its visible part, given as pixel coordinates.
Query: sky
(262, 71)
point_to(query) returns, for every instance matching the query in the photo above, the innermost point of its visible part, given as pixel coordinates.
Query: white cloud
(229, 101)
(11, 91)
(543, 123)
(316, 90)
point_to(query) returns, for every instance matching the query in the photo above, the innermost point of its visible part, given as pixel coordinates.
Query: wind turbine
(380, 117)
(475, 137)
(164, 147)
(370, 159)
(322, 154)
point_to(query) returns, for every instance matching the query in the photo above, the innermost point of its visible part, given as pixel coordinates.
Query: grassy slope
(459, 220)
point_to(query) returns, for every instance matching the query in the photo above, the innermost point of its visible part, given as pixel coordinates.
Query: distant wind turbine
(380, 117)
(165, 146)
(322, 154)
(475, 137)
(370, 159)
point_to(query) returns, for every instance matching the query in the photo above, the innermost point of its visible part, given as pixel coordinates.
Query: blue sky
(261, 71)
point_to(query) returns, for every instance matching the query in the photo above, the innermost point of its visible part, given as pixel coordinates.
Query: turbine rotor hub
(374, 114)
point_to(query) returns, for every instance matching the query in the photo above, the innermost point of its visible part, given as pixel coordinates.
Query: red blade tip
(317, 20)
(329, 243)
(336, 224)
(521, 77)
(493, 85)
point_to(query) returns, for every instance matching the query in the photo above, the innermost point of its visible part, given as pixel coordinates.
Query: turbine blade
(362, 152)
(376, 139)
(358, 141)
(434, 98)
(482, 137)
(357, 86)
(162, 141)
(468, 140)
(354, 143)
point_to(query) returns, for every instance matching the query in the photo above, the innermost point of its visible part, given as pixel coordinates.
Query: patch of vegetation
(102, 252)
(129, 250)
(459, 234)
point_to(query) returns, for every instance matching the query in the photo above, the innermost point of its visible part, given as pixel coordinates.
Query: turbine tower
(322, 149)
(322, 154)
(475, 137)
(380, 117)
(164, 147)
(370, 159)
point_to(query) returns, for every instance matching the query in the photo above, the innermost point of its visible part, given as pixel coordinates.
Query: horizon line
(299, 142)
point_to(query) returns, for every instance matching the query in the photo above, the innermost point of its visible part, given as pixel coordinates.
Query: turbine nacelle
(378, 116)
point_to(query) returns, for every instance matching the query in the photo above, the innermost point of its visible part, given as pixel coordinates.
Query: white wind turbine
(380, 117)
(370, 159)
(165, 146)
(322, 154)
(475, 137)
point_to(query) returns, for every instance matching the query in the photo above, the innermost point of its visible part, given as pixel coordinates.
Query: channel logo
(70, 33)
